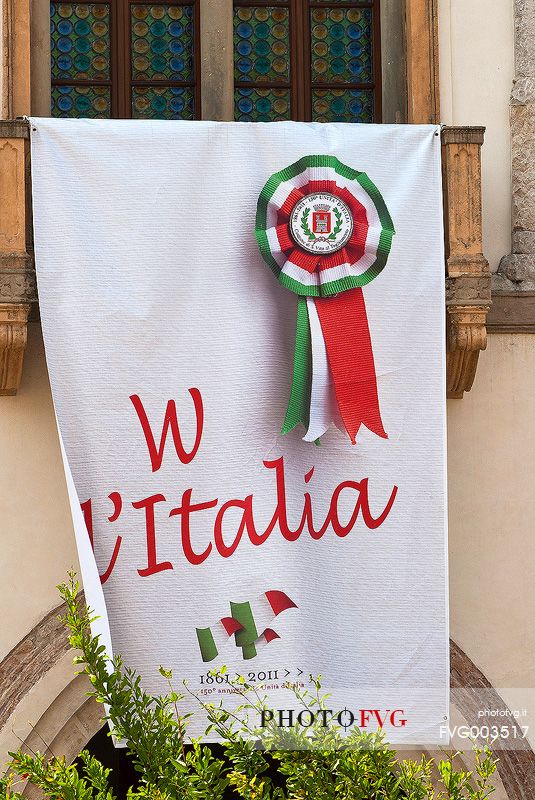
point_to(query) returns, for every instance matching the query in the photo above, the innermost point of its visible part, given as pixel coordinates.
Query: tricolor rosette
(348, 264)
(325, 231)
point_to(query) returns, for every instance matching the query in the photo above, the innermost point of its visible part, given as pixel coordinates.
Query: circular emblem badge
(321, 223)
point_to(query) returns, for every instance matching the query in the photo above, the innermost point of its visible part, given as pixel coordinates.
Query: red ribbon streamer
(345, 329)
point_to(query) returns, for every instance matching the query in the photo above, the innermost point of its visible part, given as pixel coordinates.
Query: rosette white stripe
(281, 194)
(321, 174)
(300, 274)
(325, 276)
(323, 406)
(274, 246)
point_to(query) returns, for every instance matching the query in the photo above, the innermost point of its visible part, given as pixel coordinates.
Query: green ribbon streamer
(298, 410)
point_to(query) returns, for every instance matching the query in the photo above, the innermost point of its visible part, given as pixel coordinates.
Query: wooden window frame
(375, 86)
(120, 80)
(292, 83)
(422, 68)
(123, 42)
(300, 83)
(26, 70)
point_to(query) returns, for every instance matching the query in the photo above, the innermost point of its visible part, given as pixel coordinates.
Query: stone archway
(66, 727)
(72, 719)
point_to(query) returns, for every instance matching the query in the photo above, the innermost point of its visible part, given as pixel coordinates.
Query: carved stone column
(17, 277)
(467, 270)
(516, 272)
(16, 57)
(421, 33)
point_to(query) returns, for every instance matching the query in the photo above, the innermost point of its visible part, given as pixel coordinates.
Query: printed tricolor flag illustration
(249, 622)
(325, 231)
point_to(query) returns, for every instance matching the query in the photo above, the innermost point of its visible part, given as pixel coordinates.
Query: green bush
(317, 763)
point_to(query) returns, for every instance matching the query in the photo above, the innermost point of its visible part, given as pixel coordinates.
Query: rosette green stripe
(262, 240)
(298, 410)
(384, 216)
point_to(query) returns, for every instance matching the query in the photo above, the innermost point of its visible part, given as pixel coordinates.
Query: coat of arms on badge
(321, 219)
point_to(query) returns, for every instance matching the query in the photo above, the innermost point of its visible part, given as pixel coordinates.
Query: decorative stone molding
(516, 272)
(17, 285)
(467, 270)
(13, 334)
(512, 312)
(17, 277)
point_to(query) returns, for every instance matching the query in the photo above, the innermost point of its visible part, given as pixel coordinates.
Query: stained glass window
(146, 69)
(81, 57)
(342, 54)
(262, 70)
(342, 105)
(81, 101)
(259, 105)
(293, 59)
(156, 102)
(307, 60)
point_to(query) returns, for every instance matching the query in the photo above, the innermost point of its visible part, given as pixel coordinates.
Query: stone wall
(517, 269)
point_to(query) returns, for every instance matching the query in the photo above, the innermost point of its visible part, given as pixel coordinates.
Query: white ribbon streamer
(323, 406)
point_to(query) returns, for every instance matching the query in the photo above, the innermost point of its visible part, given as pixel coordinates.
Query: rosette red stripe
(354, 253)
(334, 260)
(308, 261)
(328, 187)
(358, 237)
(289, 204)
(360, 216)
(356, 247)
(344, 324)
(286, 243)
(359, 212)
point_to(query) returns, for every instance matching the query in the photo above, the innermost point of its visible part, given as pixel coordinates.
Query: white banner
(170, 346)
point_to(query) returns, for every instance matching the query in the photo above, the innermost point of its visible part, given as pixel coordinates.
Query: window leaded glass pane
(162, 42)
(81, 101)
(341, 45)
(168, 102)
(262, 105)
(262, 44)
(342, 105)
(80, 41)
